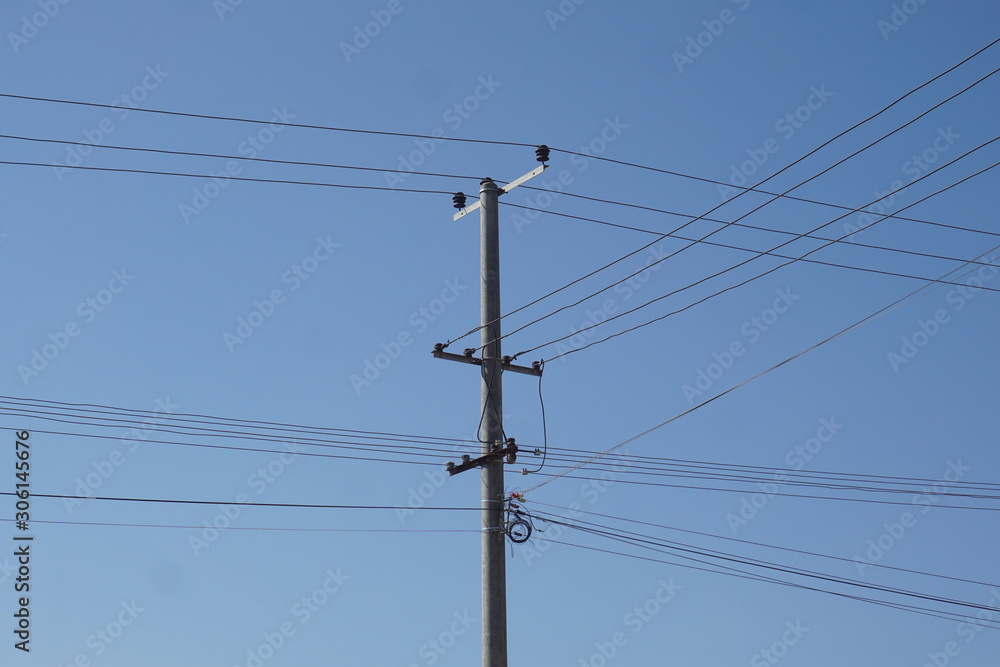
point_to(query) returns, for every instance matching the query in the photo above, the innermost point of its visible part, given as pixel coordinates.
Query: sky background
(626, 81)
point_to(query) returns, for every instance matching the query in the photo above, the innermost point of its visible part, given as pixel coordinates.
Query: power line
(638, 539)
(772, 546)
(256, 121)
(202, 418)
(760, 275)
(811, 178)
(252, 449)
(553, 477)
(257, 528)
(740, 574)
(855, 325)
(824, 144)
(717, 244)
(175, 501)
(224, 421)
(231, 157)
(228, 177)
(846, 244)
(817, 202)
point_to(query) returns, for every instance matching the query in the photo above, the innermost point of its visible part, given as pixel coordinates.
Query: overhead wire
(760, 275)
(803, 157)
(728, 571)
(678, 548)
(759, 207)
(770, 253)
(868, 318)
(229, 177)
(231, 157)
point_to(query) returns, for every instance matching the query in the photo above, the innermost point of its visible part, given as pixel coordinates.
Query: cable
(228, 178)
(258, 528)
(754, 577)
(675, 467)
(847, 244)
(770, 546)
(553, 477)
(233, 157)
(545, 431)
(218, 433)
(826, 143)
(200, 418)
(661, 235)
(251, 449)
(712, 399)
(674, 547)
(267, 122)
(811, 178)
(246, 504)
(817, 202)
(760, 275)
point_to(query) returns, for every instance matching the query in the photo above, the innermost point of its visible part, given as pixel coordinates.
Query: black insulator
(459, 200)
(542, 153)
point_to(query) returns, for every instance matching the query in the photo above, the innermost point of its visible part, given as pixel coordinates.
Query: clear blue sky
(719, 89)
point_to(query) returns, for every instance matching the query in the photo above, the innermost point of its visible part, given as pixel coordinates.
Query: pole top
(487, 184)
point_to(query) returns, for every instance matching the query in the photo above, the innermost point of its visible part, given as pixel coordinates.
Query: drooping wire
(545, 431)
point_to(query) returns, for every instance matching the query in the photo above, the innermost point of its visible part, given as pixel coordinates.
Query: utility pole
(495, 448)
(491, 432)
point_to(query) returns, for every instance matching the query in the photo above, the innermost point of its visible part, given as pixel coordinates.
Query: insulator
(542, 153)
(459, 200)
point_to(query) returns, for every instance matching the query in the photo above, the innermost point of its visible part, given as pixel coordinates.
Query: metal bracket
(468, 463)
(505, 362)
(510, 186)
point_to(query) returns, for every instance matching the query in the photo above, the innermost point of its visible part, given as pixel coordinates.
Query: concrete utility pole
(491, 432)
(495, 449)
